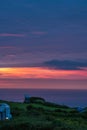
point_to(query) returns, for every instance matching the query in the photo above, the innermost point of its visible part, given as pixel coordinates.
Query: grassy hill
(44, 116)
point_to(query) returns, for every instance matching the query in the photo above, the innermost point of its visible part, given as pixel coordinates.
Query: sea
(71, 98)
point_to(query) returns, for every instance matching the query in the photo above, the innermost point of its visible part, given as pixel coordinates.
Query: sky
(43, 44)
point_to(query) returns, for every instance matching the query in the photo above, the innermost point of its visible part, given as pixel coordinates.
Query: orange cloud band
(38, 72)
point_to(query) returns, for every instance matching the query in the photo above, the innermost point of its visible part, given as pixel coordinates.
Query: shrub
(16, 111)
(37, 100)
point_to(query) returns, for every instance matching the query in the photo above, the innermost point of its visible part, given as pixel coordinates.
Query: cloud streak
(51, 65)
(65, 64)
(38, 33)
(11, 35)
(41, 73)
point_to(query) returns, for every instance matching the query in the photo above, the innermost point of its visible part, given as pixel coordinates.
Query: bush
(16, 111)
(37, 100)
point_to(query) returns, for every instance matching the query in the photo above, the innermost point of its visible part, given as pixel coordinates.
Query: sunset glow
(43, 42)
(38, 72)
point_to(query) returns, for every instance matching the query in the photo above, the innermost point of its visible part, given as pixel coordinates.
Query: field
(42, 115)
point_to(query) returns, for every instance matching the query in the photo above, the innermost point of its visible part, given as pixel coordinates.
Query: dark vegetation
(41, 115)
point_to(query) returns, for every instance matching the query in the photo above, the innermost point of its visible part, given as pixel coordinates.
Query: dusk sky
(43, 44)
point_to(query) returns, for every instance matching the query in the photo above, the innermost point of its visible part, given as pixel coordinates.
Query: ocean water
(72, 98)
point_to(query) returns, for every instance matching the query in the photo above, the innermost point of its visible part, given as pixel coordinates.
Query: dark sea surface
(73, 98)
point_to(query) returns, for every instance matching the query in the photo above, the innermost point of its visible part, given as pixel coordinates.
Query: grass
(44, 116)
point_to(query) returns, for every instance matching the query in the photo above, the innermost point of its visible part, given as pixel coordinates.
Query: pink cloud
(11, 35)
(39, 33)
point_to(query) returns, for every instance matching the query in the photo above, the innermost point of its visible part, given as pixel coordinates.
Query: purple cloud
(11, 35)
(39, 33)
